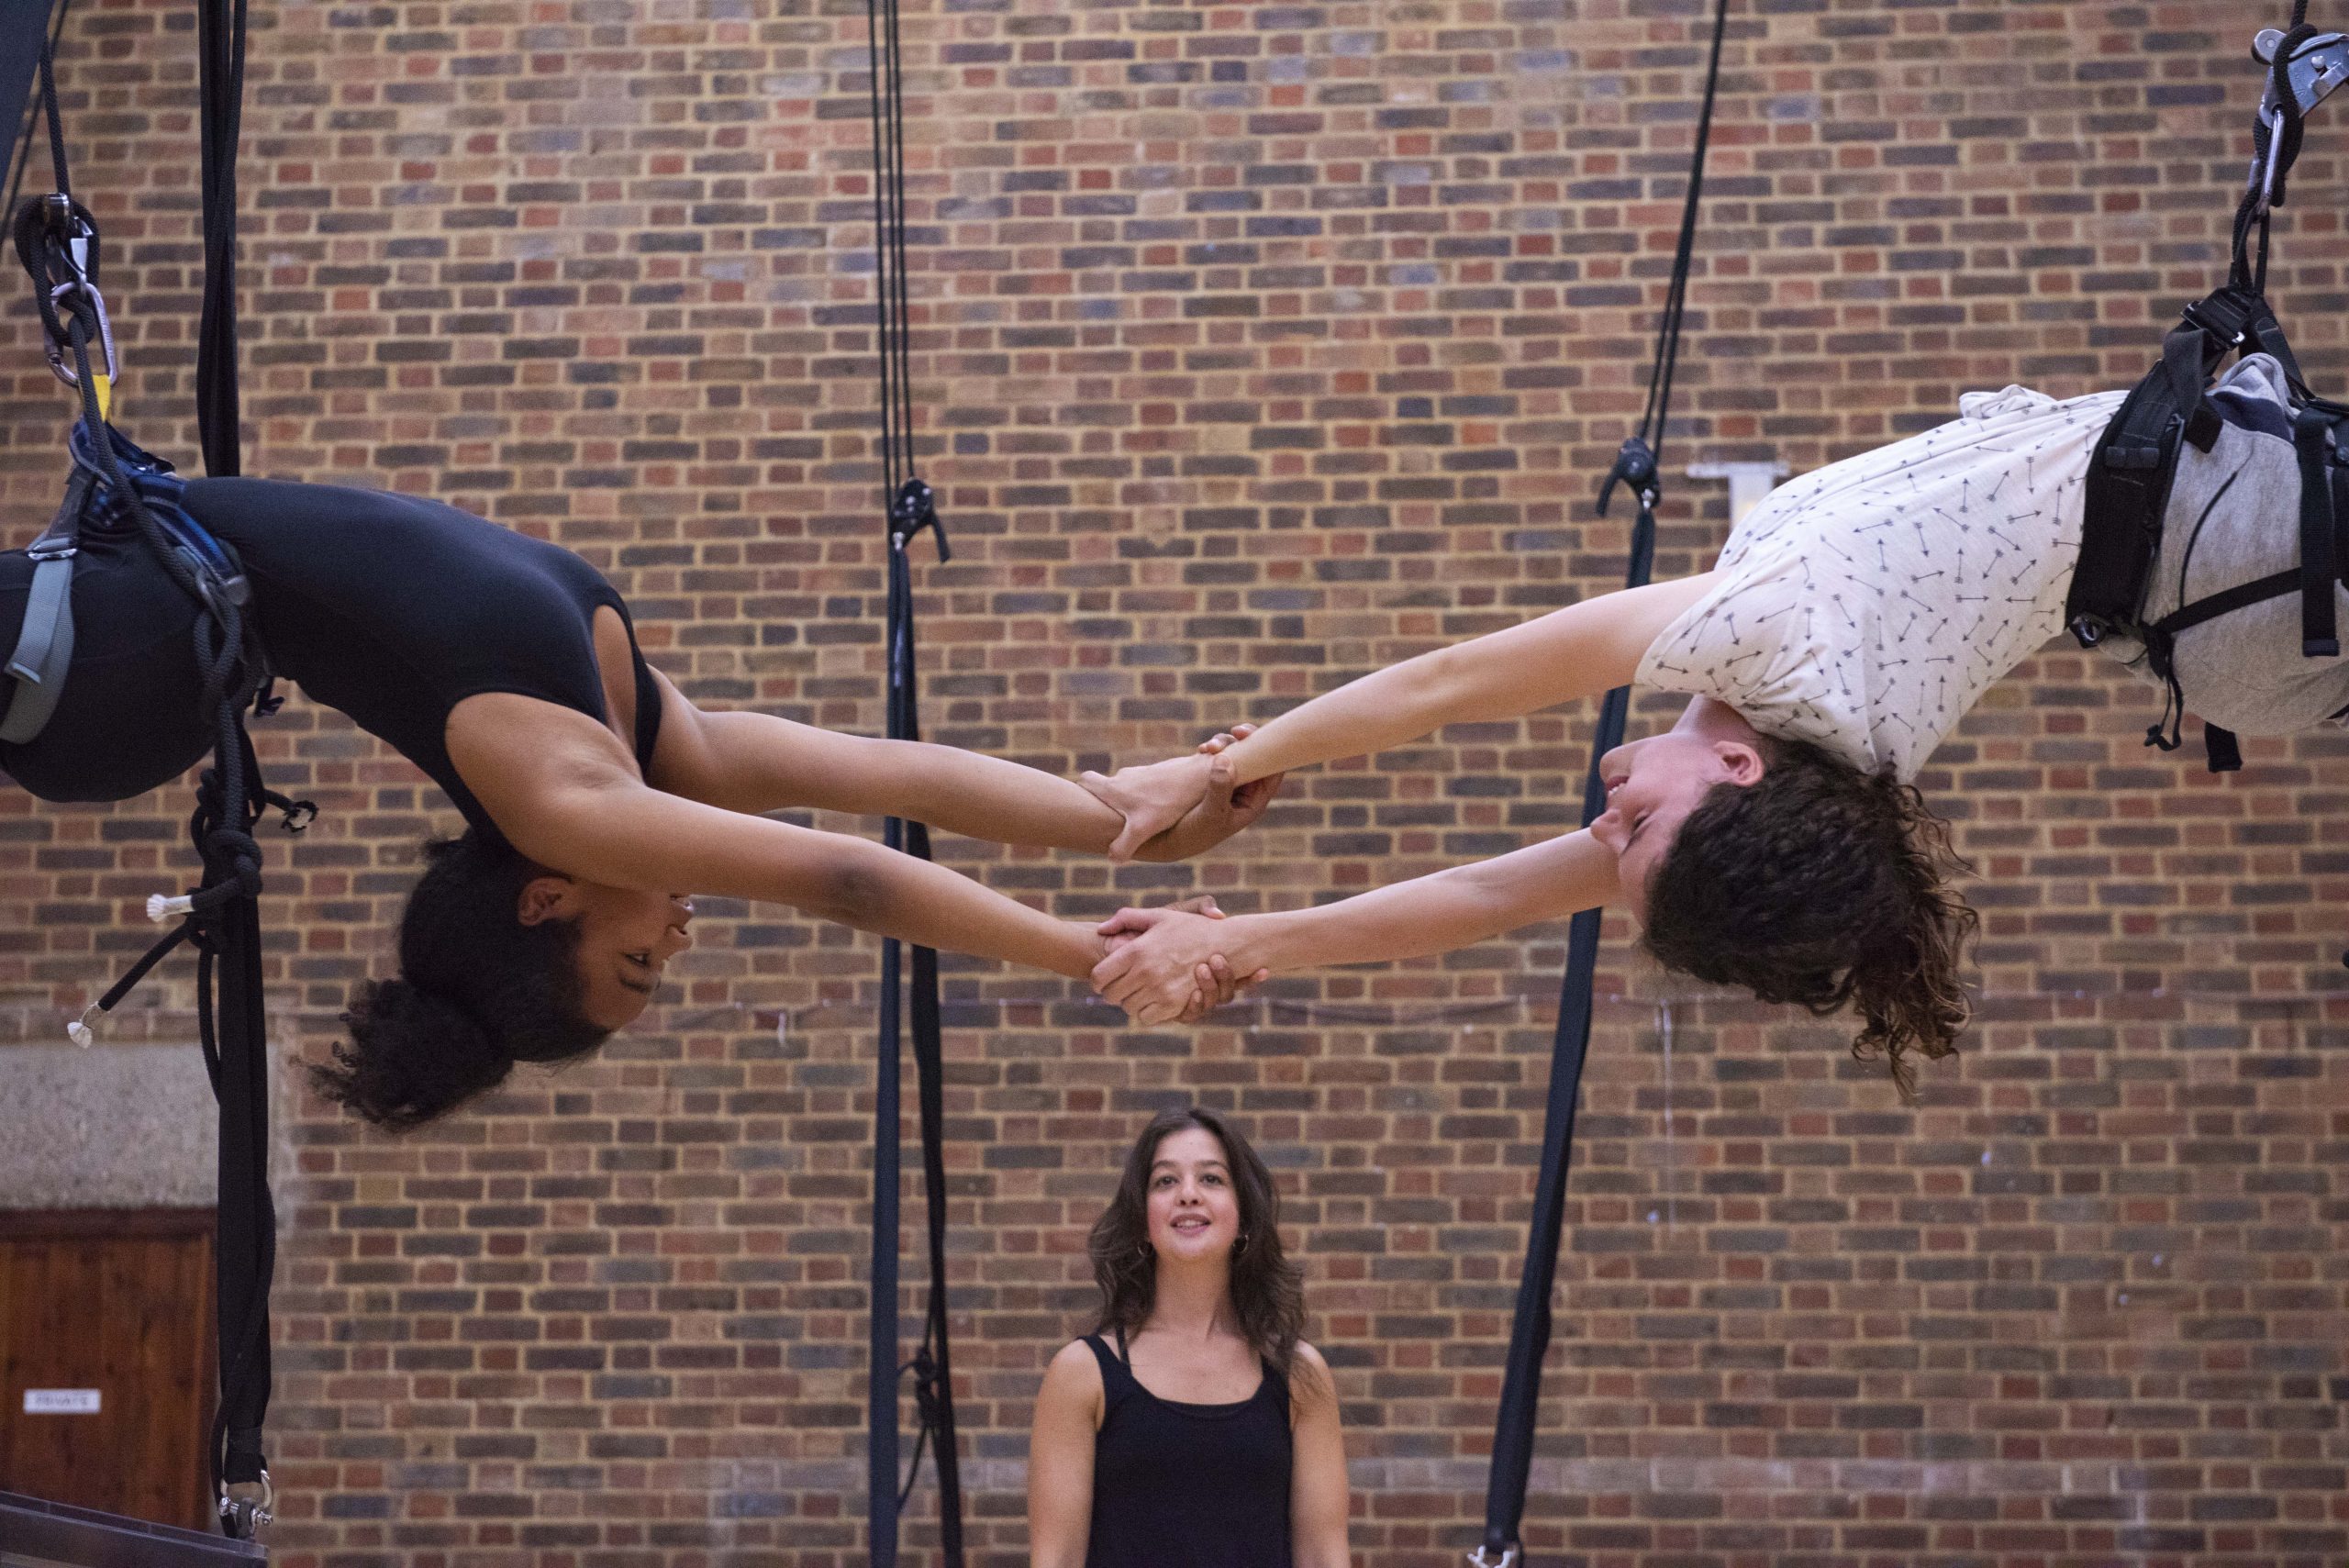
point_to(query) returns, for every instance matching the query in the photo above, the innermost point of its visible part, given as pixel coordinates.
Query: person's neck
(1192, 1301)
(1715, 720)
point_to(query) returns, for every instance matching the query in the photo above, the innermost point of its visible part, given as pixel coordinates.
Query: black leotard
(1179, 1485)
(392, 608)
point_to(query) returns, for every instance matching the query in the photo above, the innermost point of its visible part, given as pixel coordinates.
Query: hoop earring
(1242, 1241)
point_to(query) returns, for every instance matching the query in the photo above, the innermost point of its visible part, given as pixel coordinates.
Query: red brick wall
(1258, 346)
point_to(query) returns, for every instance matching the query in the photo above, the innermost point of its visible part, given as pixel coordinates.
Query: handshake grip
(1183, 805)
(1164, 965)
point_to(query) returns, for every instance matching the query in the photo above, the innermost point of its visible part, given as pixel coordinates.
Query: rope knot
(230, 854)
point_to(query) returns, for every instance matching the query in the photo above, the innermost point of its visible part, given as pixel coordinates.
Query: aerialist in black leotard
(595, 796)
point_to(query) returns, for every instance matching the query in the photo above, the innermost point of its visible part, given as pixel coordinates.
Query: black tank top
(393, 609)
(1188, 1486)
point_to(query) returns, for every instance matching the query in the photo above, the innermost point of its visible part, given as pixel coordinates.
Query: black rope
(909, 508)
(1638, 465)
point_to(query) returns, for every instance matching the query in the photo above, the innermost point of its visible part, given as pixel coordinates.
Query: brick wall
(1257, 347)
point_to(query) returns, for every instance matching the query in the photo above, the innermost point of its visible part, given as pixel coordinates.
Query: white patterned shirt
(1868, 604)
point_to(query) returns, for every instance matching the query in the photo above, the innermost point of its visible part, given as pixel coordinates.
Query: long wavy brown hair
(1267, 1290)
(1822, 885)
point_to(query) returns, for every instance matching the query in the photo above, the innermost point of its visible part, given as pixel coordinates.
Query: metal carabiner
(2313, 71)
(61, 299)
(1507, 1559)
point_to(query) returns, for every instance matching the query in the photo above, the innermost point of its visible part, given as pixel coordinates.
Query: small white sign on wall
(60, 1401)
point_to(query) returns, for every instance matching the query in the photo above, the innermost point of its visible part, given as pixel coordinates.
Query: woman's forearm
(985, 797)
(1385, 708)
(1449, 909)
(1580, 650)
(892, 894)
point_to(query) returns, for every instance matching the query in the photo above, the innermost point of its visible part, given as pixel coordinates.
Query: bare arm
(1060, 1461)
(1151, 978)
(1316, 1509)
(563, 791)
(757, 762)
(1577, 652)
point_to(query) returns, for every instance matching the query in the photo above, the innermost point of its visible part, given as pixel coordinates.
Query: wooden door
(105, 1360)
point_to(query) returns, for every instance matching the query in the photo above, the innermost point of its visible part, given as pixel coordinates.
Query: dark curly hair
(1267, 1290)
(1821, 884)
(477, 991)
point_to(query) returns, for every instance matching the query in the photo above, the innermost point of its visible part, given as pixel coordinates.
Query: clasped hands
(1168, 964)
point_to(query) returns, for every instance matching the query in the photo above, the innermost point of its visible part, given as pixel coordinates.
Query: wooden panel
(121, 1305)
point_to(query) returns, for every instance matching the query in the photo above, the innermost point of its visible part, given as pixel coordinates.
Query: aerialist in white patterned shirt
(1773, 838)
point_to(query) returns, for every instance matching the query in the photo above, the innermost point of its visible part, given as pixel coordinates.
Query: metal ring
(254, 1515)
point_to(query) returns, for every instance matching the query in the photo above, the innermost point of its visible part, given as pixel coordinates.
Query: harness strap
(2312, 438)
(44, 651)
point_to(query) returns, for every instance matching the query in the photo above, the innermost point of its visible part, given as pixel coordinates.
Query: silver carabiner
(2314, 71)
(60, 359)
(1507, 1559)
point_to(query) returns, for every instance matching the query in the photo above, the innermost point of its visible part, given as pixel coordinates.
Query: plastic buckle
(2223, 315)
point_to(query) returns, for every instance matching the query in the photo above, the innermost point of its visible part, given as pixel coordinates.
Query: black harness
(2135, 462)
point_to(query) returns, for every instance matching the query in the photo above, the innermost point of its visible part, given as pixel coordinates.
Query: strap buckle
(2315, 69)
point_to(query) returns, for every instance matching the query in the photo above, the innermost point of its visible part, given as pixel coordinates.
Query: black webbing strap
(220, 48)
(911, 509)
(26, 25)
(1636, 465)
(228, 806)
(2313, 440)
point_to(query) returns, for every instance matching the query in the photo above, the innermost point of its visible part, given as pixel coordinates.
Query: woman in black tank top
(1192, 1428)
(595, 796)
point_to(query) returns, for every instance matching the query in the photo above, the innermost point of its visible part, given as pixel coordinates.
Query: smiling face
(625, 940)
(1651, 787)
(1193, 1209)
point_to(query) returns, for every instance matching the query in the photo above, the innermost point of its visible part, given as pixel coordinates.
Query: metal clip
(912, 509)
(60, 354)
(1635, 467)
(242, 1512)
(2314, 69)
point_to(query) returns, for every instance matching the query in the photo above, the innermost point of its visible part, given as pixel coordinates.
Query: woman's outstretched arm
(564, 791)
(1152, 977)
(1580, 650)
(755, 761)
